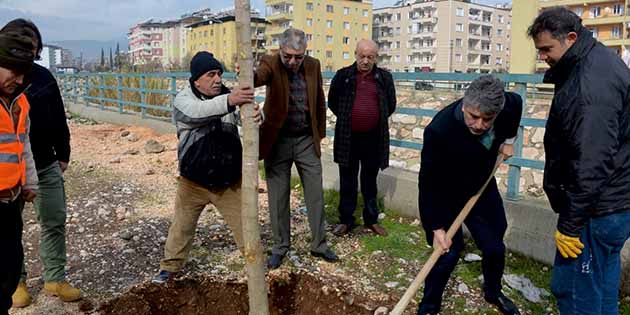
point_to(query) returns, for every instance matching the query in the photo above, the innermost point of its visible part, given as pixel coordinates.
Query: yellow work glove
(568, 246)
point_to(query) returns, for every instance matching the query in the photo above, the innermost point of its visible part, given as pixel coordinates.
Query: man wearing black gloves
(461, 145)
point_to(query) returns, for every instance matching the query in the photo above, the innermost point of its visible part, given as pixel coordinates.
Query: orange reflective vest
(12, 137)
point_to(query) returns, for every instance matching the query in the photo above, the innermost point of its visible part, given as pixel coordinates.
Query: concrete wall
(531, 223)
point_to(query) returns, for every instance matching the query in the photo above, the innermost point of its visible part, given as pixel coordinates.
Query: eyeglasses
(287, 57)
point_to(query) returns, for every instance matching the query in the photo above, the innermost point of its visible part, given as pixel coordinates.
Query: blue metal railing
(517, 82)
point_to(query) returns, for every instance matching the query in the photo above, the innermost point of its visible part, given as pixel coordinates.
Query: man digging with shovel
(461, 145)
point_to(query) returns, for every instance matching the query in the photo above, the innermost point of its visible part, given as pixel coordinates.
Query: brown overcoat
(272, 73)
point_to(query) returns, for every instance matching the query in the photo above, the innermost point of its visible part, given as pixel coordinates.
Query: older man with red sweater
(362, 96)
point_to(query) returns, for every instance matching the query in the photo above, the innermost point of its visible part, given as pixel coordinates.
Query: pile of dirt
(290, 293)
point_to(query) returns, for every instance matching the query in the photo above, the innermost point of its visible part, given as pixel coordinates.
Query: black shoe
(424, 311)
(274, 261)
(328, 256)
(505, 305)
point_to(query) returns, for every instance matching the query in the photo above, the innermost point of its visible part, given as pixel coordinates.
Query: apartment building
(54, 56)
(609, 21)
(332, 27)
(161, 42)
(443, 36)
(218, 36)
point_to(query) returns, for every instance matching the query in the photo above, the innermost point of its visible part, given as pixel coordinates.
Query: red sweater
(365, 112)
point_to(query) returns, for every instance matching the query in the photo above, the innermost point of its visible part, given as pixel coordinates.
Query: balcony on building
(279, 12)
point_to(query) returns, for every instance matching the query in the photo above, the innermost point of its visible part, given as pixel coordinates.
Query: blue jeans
(589, 284)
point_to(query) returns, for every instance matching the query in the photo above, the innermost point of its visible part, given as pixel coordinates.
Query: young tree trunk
(256, 284)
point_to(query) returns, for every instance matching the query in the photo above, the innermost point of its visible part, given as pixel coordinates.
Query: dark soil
(294, 293)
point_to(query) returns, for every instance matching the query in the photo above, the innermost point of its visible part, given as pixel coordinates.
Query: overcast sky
(111, 19)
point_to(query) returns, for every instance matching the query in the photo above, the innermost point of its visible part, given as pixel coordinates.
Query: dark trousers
(11, 246)
(364, 154)
(487, 224)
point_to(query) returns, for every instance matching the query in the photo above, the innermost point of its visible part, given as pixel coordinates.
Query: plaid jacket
(340, 101)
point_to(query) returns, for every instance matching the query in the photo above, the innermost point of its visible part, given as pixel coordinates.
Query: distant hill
(92, 48)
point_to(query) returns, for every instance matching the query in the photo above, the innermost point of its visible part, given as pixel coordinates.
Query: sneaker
(63, 290)
(21, 297)
(164, 276)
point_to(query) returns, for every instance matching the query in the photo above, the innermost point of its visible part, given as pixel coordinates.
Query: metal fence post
(119, 91)
(514, 173)
(87, 90)
(173, 90)
(143, 95)
(102, 92)
(75, 88)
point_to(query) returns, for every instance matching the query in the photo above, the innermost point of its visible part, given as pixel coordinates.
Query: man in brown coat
(295, 123)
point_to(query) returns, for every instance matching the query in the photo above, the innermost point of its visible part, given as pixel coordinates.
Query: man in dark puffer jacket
(587, 169)
(205, 115)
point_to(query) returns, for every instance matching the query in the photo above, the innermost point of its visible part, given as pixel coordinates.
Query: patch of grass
(261, 170)
(331, 202)
(624, 308)
(399, 243)
(199, 252)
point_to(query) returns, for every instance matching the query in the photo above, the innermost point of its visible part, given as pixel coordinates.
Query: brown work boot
(21, 297)
(63, 290)
(377, 229)
(341, 229)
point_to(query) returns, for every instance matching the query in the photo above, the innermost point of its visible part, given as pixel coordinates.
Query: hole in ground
(290, 294)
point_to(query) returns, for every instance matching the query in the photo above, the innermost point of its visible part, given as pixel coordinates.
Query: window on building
(329, 39)
(309, 52)
(397, 58)
(409, 58)
(346, 25)
(500, 18)
(459, 12)
(458, 57)
(346, 55)
(458, 42)
(499, 32)
(346, 11)
(618, 9)
(346, 40)
(616, 32)
(596, 12)
(365, 13)
(309, 37)
(309, 6)
(499, 47)
(329, 54)
(329, 8)
(409, 29)
(499, 61)
(594, 31)
(329, 23)
(365, 27)
(211, 32)
(309, 22)
(205, 33)
(398, 16)
(459, 27)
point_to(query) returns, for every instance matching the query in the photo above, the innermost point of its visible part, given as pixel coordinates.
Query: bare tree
(256, 284)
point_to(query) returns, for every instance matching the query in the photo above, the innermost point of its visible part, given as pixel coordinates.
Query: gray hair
(486, 94)
(293, 38)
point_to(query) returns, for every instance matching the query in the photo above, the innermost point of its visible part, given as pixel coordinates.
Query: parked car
(419, 85)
